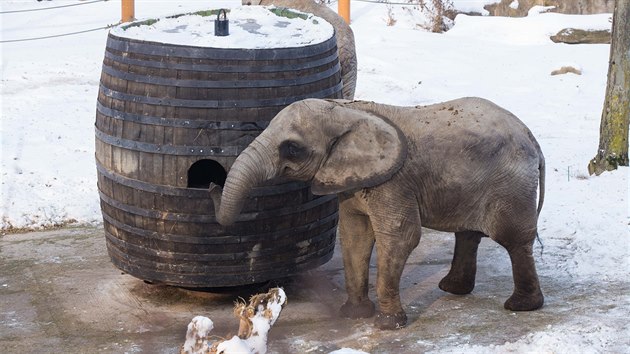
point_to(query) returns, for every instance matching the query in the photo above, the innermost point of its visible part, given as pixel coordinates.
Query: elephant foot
(457, 286)
(519, 302)
(390, 321)
(364, 309)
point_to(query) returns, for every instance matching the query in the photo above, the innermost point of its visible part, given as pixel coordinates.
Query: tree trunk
(613, 134)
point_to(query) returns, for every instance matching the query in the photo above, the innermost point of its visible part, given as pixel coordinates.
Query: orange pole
(343, 8)
(128, 11)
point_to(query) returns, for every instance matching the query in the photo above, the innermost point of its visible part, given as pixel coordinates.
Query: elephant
(345, 37)
(465, 166)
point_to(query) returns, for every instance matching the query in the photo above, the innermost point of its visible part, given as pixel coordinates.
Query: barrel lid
(250, 27)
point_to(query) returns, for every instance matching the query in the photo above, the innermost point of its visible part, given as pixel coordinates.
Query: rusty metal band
(181, 123)
(221, 240)
(174, 50)
(205, 273)
(250, 68)
(249, 103)
(247, 255)
(194, 193)
(222, 84)
(178, 150)
(182, 217)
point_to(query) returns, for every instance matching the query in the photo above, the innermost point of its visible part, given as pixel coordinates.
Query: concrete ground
(59, 293)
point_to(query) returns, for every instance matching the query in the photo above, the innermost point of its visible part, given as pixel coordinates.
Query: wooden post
(344, 10)
(128, 11)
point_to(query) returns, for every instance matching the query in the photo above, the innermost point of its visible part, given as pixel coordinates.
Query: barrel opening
(202, 172)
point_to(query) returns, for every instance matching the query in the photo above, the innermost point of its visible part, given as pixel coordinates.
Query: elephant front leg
(460, 279)
(390, 267)
(397, 234)
(357, 242)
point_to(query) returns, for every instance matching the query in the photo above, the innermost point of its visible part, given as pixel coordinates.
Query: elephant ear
(366, 152)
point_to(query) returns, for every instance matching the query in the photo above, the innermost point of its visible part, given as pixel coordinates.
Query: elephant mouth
(302, 173)
(278, 180)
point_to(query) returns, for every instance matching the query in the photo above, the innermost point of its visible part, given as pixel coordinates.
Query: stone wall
(581, 7)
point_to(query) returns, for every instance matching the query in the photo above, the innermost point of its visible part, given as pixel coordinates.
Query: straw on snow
(256, 319)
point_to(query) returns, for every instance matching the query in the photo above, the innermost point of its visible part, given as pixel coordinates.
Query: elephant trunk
(251, 168)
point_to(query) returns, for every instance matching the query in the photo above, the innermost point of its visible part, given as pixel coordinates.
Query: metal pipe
(344, 10)
(127, 11)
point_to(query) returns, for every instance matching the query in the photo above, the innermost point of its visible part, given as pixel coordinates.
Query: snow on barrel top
(251, 27)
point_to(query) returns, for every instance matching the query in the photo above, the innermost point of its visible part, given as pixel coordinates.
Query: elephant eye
(292, 151)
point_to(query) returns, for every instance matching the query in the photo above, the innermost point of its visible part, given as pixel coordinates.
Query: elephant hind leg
(515, 229)
(527, 295)
(460, 279)
(519, 242)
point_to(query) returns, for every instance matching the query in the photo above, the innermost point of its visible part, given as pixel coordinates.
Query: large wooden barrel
(171, 119)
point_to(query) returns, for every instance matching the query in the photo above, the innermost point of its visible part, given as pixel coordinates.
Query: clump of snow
(473, 6)
(256, 319)
(539, 9)
(266, 311)
(197, 334)
(234, 345)
(250, 27)
(348, 351)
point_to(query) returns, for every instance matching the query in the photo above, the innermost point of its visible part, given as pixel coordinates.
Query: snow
(276, 306)
(530, 30)
(234, 345)
(348, 351)
(554, 340)
(475, 6)
(261, 322)
(250, 27)
(538, 9)
(196, 335)
(261, 319)
(49, 90)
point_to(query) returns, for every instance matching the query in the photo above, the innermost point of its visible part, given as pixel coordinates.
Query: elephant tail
(541, 173)
(541, 183)
(541, 191)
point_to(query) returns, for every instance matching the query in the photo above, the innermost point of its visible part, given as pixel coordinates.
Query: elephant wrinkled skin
(345, 37)
(465, 166)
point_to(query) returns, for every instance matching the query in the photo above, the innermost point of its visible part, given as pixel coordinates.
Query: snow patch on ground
(530, 30)
(348, 351)
(584, 338)
(473, 5)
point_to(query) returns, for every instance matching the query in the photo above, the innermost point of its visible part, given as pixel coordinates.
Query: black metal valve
(221, 25)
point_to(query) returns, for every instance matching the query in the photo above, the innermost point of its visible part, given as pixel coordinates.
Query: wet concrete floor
(59, 293)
